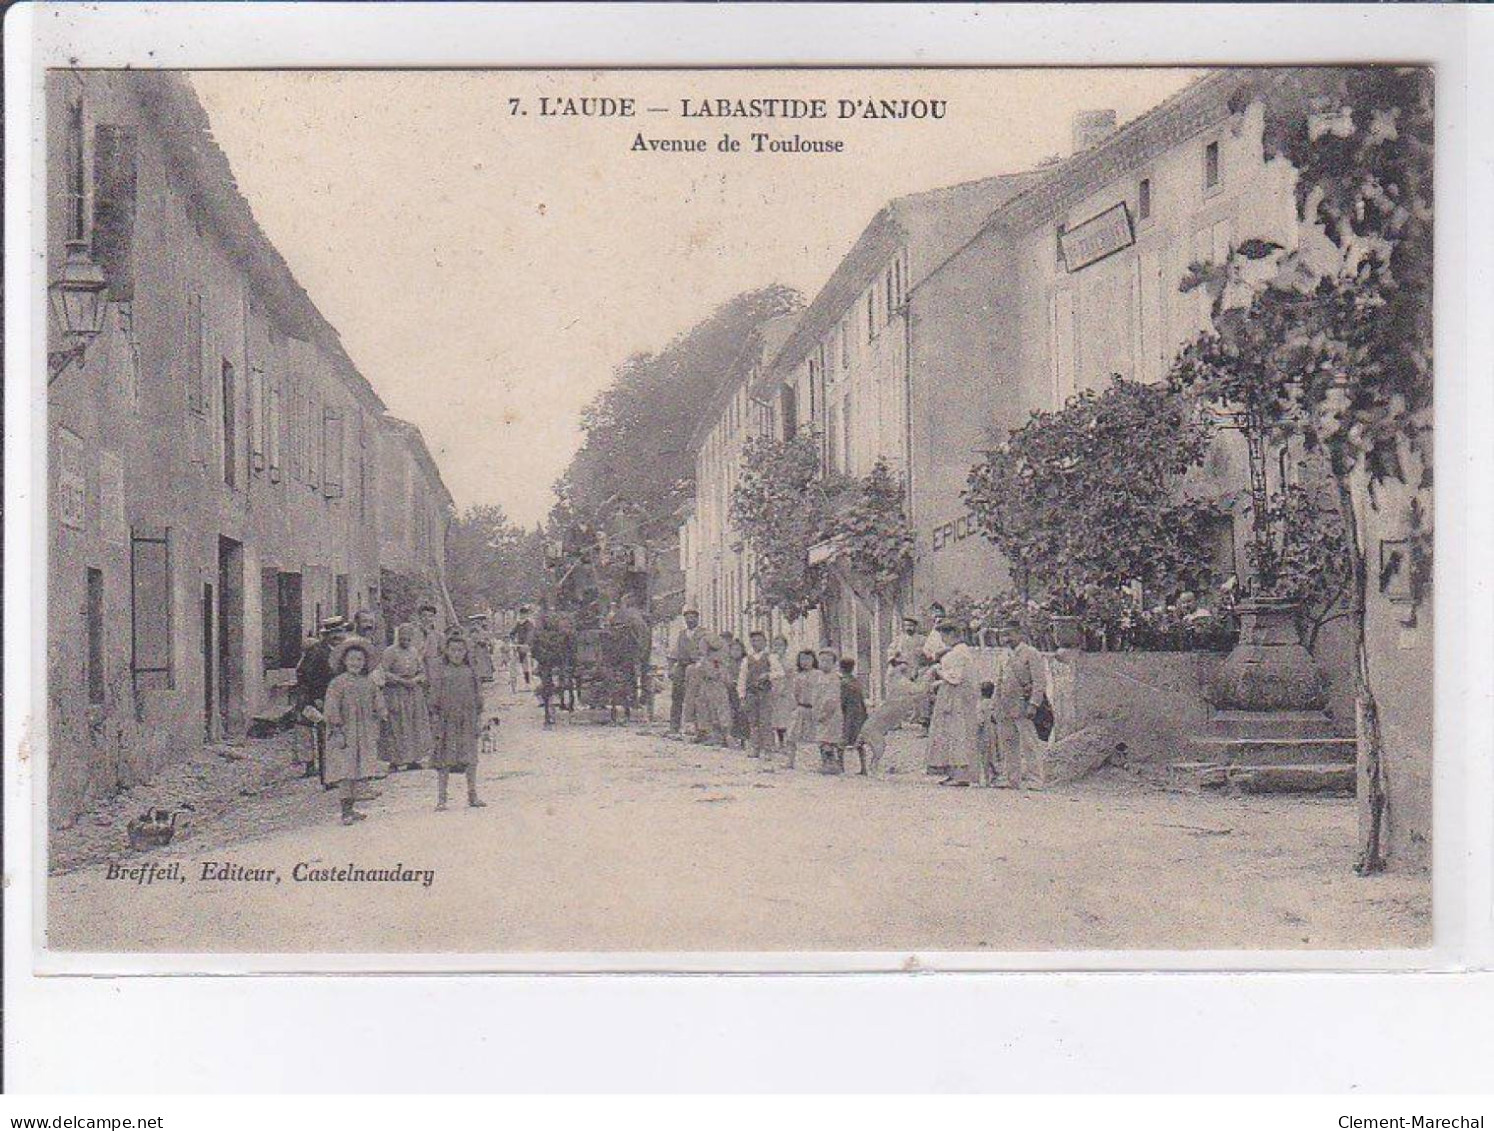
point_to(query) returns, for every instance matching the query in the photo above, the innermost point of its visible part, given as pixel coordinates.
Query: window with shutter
(333, 453)
(196, 398)
(150, 609)
(274, 413)
(259, 418)
(114, 162)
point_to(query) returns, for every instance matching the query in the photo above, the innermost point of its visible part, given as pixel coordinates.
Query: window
(871, 315)
(1211, 165)
(891, 294)
(76, 176)
(272, 430)
(114, 163)
(230, 427)
(1144, 199)
(847, 438)
(1063, 346)
(1058, 246)
(93, 614)
(845, 345)
(195, 377)
(789, 409)
(258, 419)
(341, 601)
(150, 609)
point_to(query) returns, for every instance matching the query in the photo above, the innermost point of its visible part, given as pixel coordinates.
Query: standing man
(631, 622)
(685, 655)
(366, 627)
(1021, 687)
(522, 636)
(313, 676)
(907, 647)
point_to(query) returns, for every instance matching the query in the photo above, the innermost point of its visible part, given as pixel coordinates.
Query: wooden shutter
(150, 612)
(274, 412)
(269, 617)
(332, 453)
(114, 162)
(258, 418)
(194, 348)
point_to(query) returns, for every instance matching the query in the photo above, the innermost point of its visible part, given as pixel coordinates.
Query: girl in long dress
(783, 693)
(953, 727)
(406, 738)
(355, 711)
(805, 686)
(829, 716)
(456, 715)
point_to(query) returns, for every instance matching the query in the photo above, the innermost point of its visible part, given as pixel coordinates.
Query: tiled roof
(186, 133)
(931, 225)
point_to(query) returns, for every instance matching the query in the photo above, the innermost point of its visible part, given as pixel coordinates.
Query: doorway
(209, 695)
(230, 635)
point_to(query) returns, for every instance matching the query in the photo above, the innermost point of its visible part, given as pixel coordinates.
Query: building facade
(214, 457)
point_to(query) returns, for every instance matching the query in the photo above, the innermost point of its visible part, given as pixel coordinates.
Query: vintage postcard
(906, 512)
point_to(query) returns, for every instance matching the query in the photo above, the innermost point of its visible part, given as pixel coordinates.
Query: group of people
(374, 711)
(727, 692)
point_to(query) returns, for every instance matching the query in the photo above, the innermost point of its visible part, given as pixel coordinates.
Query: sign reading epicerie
(1097, 237)
(955, 530)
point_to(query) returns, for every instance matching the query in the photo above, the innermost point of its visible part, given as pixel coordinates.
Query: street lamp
(77, 305)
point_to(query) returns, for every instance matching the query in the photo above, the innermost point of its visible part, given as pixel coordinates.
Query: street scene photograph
(920, 511)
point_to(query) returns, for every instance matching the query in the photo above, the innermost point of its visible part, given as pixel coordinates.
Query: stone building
(843, 375)
(719, 577)
(215, 459)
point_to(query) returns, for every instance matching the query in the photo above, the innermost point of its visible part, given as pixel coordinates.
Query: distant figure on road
(522, 638)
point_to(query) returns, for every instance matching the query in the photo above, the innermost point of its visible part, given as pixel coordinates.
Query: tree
(782, 506)
(636, 433)
(1350, 310)
(873, 532)
(492, 563)
(1088, 497)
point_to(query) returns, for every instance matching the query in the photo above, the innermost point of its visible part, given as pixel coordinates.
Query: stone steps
(1283, 778)
(1271, 724)
(1273, 751)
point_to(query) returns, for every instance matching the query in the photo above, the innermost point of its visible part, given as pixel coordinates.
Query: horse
(553, 649)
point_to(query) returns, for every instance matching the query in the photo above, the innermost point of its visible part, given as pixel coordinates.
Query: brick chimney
(1090, 127)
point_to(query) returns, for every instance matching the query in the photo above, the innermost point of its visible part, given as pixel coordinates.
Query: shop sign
(956, 530)
(1097, 237)
(72, 481)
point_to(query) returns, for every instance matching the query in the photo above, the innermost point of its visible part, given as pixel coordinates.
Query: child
(985, 737)
(852, 712)
(456, 716)
(805, 684)
(758, 677)
(829, 721)
(783, 692)
(355, 710)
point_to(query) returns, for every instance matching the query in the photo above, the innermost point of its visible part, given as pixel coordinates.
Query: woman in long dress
(355, 711)
(406, 739)
(456, 714)
(954, 726)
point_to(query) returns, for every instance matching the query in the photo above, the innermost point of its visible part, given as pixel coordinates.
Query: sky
(487, 265)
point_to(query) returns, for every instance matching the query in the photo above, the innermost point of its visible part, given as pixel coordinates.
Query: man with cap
(1021, 687)
(314, 674)
(906, 648)
(687, 651)
(522, 636)
(432, 639)
(481, 642)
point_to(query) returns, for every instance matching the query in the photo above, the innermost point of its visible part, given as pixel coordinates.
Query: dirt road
(606, 839)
